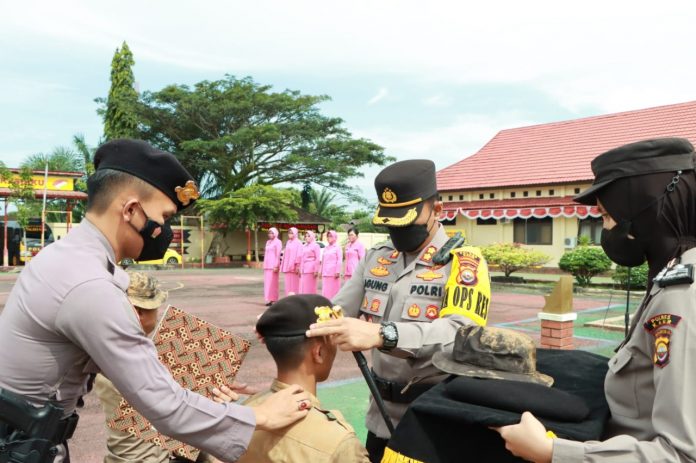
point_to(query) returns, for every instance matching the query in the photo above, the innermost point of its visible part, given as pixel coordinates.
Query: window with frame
(591, 227)
(481, 221)
(533, 231)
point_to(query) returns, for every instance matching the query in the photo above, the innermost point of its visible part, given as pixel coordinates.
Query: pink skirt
(292, 283)
(330, 286)
(270, 285)
(308, 283)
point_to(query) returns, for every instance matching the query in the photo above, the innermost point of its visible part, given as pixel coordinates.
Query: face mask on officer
(411, 237)
(622, 248)
(156, 238)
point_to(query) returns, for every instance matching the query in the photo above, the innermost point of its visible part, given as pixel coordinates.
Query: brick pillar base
(557, 330)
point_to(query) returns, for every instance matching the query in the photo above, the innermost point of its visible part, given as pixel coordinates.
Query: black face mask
(409, 238)
(620, 248)
(154, 245)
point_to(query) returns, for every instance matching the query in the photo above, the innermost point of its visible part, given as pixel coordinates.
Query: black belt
(400, 393)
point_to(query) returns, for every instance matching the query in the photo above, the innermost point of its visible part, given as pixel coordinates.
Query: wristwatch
(390, 335)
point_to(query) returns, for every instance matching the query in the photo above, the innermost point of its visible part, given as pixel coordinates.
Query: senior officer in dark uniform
(399, 293)
(68, 315)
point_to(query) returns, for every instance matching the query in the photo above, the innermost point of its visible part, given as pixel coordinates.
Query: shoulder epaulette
(679, 274)
(443, 256)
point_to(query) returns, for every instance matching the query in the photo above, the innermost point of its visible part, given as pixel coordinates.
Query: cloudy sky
(432, 79)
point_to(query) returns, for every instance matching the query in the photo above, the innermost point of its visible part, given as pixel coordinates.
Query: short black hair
(354, 230)
(103, 184)
(287, 351)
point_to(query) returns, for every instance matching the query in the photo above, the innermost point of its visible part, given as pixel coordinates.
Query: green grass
(350, 398)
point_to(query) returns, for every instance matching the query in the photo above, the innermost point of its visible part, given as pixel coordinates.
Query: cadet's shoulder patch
(664, 319)
(661, 351)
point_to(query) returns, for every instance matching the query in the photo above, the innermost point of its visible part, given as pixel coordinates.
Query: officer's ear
(437, 207)
(319, 350)
(129, 209)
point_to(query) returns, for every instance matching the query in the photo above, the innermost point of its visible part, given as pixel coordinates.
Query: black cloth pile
(449, 423)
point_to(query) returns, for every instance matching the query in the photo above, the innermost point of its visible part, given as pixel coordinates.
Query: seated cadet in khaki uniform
(121, 447)
(323, 435)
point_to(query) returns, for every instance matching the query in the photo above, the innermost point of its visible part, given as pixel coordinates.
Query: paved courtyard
(233, 298)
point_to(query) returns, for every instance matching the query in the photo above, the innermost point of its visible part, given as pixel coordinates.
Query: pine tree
(120, 120)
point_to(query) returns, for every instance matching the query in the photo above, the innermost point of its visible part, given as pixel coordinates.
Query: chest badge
(379, 271)
(430, 274)
(431, 312)
(374, 307)
(383, 261)
(414, 311)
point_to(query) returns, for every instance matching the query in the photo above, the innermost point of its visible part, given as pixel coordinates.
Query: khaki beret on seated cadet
(402, 189)
(290, 316)
(154, 166)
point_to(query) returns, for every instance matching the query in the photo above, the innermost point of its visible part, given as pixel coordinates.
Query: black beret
(640, 158)
(401, 188)
(156, 167)
(290, 316)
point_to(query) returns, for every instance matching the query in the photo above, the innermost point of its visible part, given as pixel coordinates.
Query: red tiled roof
(561, 152)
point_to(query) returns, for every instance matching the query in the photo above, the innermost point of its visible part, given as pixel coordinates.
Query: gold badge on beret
(388, 196)
(326, 313)
(187, 192)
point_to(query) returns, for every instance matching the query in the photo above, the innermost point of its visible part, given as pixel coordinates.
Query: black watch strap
(390, 335)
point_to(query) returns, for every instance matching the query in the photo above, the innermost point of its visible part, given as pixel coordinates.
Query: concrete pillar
(557, 316)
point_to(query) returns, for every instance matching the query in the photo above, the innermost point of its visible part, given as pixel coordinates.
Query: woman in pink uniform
(331, 264)
(292, 256)
(355, 251)
(271, 266)
(309, 267)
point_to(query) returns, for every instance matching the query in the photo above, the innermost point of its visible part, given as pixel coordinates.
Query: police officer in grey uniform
(68, 315)
(397, 290)
(646, 192)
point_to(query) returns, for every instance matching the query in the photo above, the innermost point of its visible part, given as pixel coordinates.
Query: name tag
(434, 291)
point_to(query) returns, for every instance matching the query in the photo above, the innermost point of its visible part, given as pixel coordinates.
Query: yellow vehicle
(171, 257)
(30, 243)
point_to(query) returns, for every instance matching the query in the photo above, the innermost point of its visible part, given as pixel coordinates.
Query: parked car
(171, 257)
(32, 245)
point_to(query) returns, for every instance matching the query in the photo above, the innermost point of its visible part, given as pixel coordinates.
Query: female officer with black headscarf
(646, 192)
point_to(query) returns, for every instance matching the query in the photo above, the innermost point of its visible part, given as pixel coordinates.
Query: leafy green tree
(511, 257)
(639, 276)
(585, 262)
(76, 158)
(22, 195)
(118, 110)
(245, 208)
(233, 132)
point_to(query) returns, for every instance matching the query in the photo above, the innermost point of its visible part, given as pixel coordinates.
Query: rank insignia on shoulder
(326, 313)
(428, 254)
(680, 274)
(383, 261)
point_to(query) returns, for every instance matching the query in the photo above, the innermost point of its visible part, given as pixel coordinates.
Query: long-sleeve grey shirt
(650, 386)
(68, 316)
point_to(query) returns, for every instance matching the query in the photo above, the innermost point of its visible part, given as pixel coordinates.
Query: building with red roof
(519, 186)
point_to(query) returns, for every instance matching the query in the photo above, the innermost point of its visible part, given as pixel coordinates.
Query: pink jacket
(332, 260)
(292, 256)
(311, 254)
(354, 253)
(271, 258)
